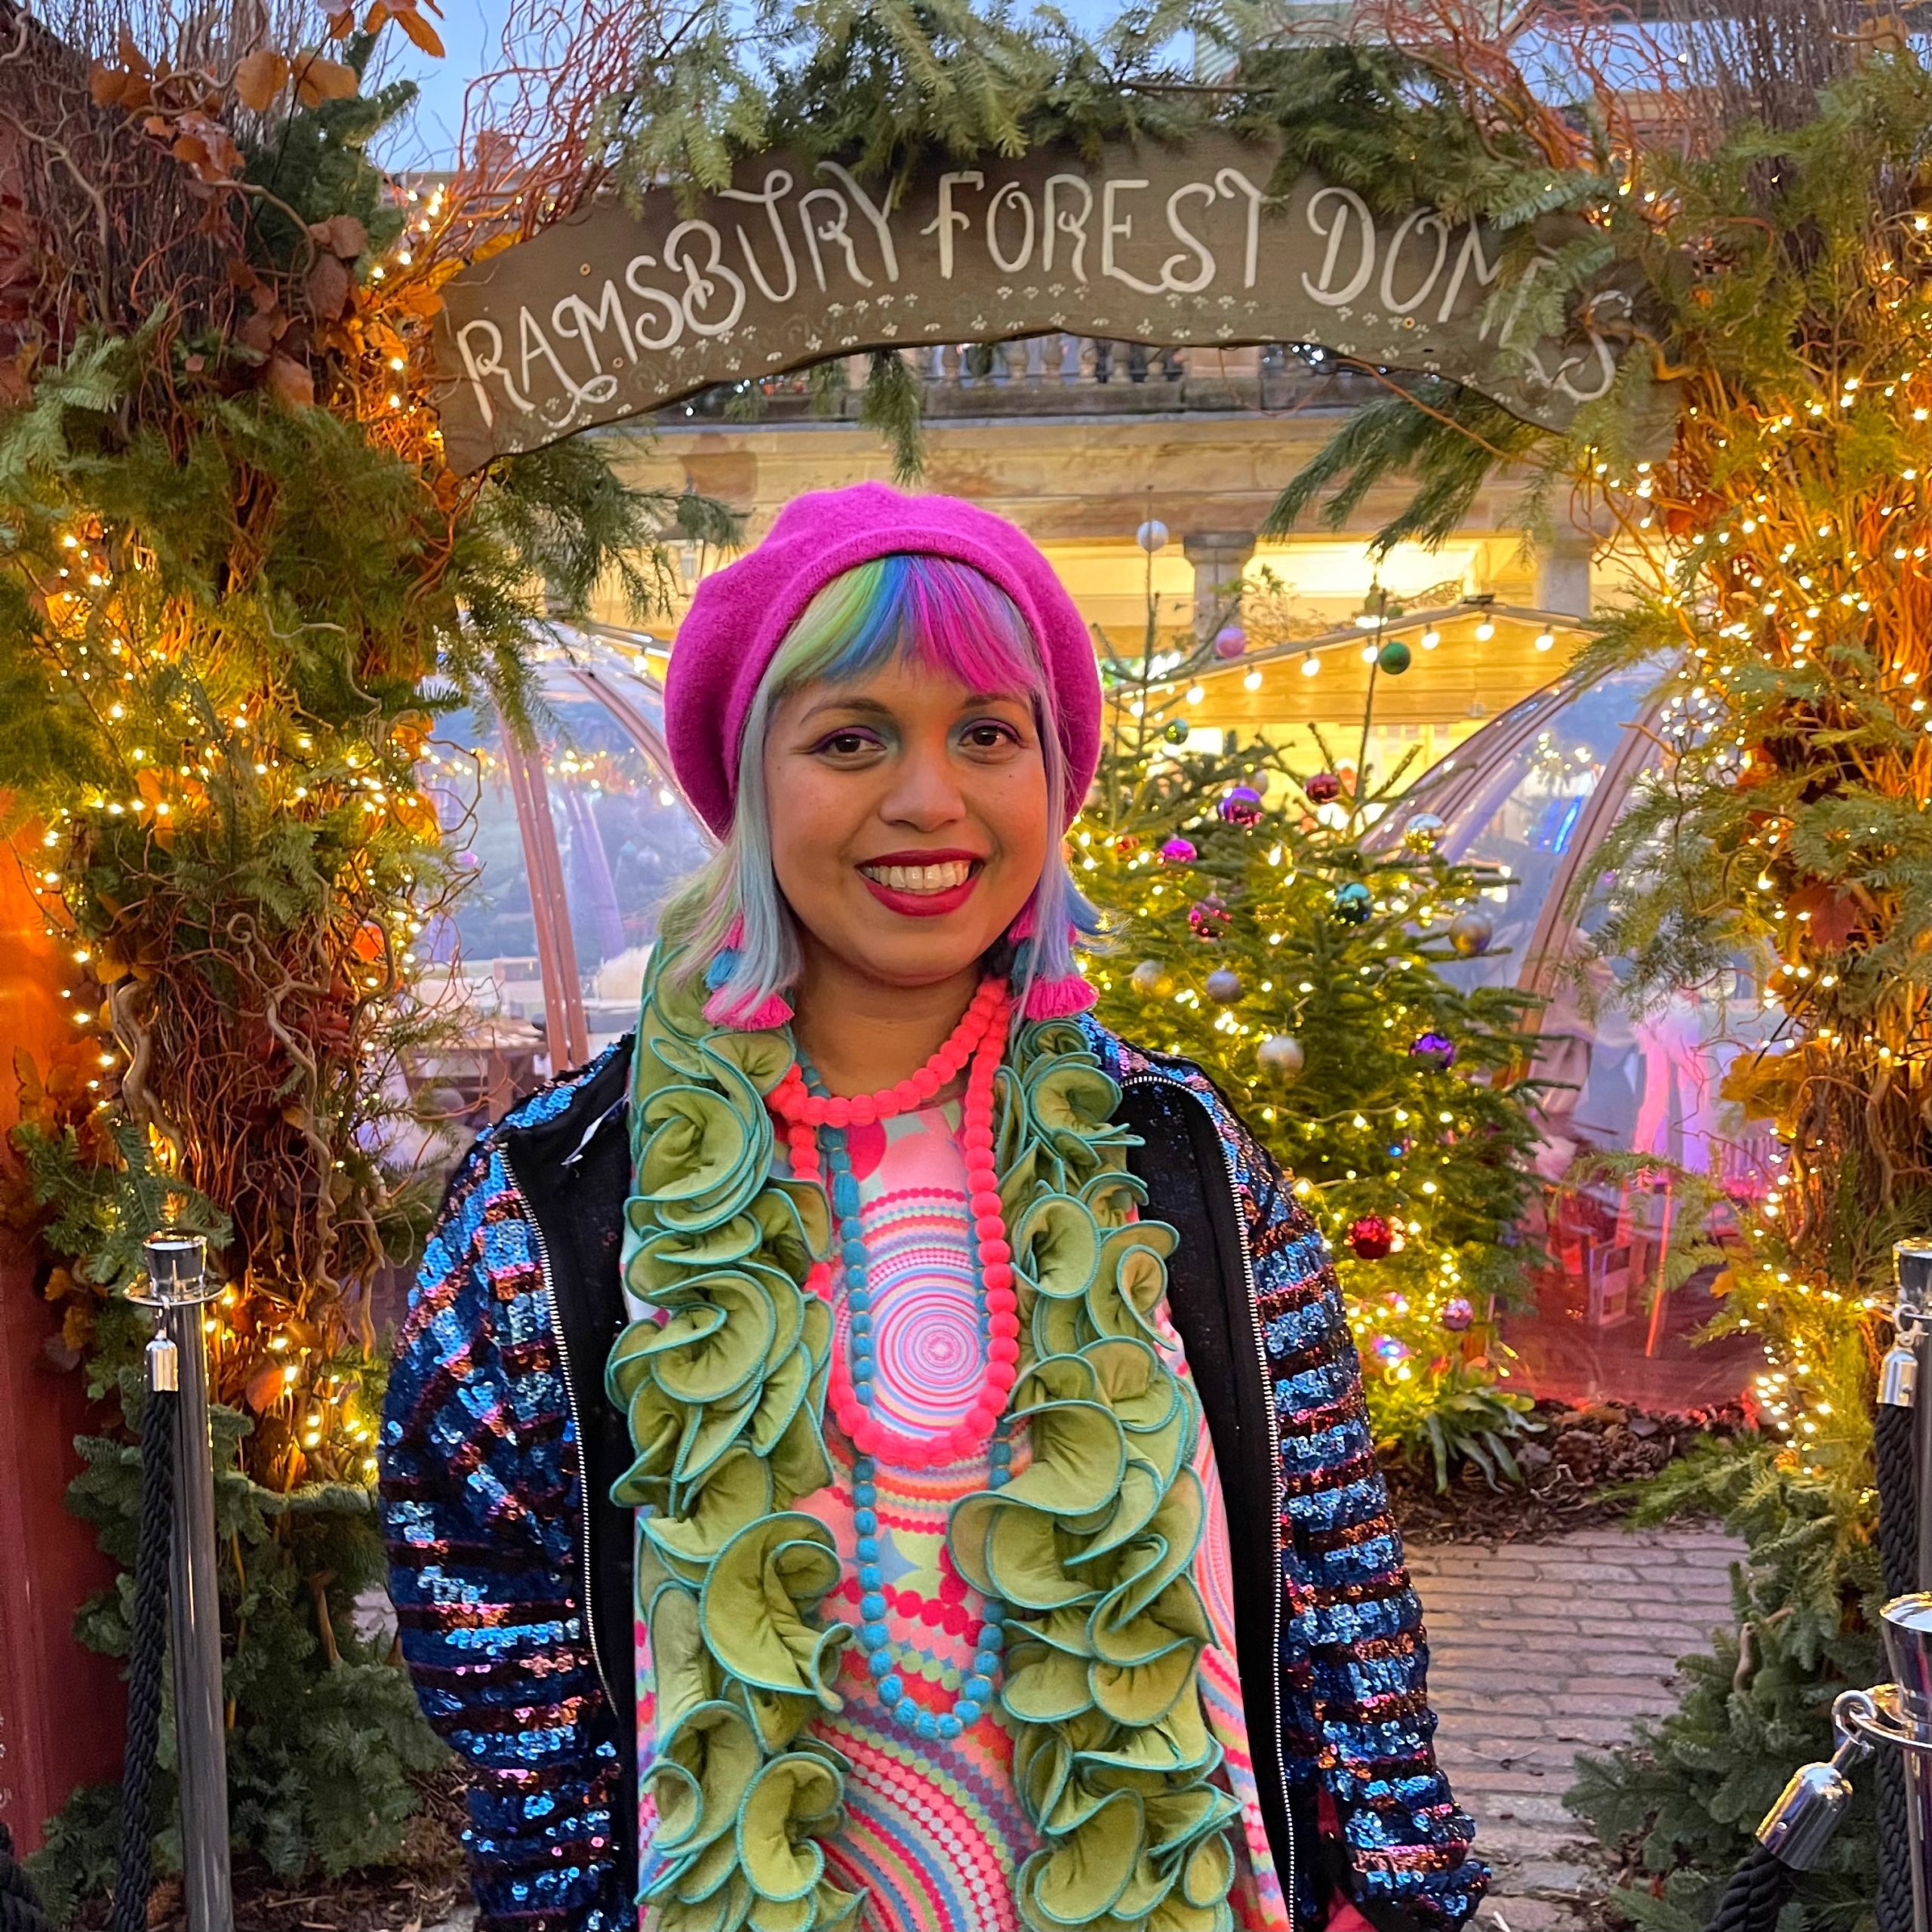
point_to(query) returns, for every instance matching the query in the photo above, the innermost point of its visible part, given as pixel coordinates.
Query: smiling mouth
(922, 880)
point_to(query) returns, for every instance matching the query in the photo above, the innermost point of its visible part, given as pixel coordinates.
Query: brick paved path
(1538, 1651)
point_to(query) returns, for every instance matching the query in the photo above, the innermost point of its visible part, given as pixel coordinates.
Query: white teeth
(921, 878)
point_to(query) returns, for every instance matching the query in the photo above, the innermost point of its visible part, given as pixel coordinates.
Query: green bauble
(1394, 657)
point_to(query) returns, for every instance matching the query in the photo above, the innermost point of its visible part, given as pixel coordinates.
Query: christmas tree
(1263, 932)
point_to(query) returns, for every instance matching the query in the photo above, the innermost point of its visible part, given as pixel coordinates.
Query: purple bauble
(1437, 1048)
(1178, 852)
(1230, 641)
(1241, 805)
(1392, 1350)
(1208, 918)
(1457, 1315)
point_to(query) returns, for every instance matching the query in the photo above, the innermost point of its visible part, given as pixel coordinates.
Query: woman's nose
(924, 792)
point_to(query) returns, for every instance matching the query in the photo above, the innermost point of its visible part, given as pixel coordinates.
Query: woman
(811, 1507)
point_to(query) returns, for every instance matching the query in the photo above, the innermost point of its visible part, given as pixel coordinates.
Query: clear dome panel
(1514, 799)
(1530, 797)
(589, 837)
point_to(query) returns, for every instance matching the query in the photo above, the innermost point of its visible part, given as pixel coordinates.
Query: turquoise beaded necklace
(976, 1694)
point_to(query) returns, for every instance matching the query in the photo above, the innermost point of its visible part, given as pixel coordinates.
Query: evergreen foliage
(1774, 205)
(237, 588)
(1690, 1790)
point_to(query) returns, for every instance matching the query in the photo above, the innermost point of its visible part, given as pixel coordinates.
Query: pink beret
(739, 615)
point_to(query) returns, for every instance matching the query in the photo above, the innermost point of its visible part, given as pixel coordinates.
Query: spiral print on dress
(931, 1350)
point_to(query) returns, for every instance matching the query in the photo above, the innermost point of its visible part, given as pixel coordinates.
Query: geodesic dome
(1530, 798)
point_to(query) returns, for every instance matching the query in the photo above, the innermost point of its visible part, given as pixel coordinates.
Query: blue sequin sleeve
(479, 1499)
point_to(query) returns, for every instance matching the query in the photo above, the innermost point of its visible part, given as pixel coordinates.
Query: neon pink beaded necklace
(980, 1037)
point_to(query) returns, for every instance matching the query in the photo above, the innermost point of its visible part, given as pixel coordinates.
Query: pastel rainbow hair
(729, 920)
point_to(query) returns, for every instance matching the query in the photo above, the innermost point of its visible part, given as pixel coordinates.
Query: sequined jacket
(511, 1568)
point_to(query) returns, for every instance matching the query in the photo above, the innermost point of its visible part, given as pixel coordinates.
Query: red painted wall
(61, 1708)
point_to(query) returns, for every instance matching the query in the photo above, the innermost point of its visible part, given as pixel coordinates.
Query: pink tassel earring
(766, 1016)
(1058, 999)
(1051, 999)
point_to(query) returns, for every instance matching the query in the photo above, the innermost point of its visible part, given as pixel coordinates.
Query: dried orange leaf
(265, 1386)
(261, 77)
(420, 32)
(318, 78)
(342, 235)
(258, 332)
(290, 382)
(326, 288)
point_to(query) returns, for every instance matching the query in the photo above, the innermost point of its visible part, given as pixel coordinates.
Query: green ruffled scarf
(1091, 1546)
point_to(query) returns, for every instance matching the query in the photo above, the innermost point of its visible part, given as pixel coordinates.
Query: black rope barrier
(1759, 1890)
(1895, 1461)
(20, 1910)
(146, 1651)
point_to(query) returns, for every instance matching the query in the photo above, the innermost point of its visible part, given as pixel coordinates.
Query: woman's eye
(847, 744)
(989, 734)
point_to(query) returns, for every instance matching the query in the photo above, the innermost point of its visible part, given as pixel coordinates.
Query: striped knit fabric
(934, 1835)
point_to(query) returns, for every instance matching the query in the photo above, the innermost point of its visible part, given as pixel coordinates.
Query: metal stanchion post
(177, 1290)
(1908, 1622)
(1901, 1381)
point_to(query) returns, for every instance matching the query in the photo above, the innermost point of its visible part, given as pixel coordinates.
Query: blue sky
(472, 32)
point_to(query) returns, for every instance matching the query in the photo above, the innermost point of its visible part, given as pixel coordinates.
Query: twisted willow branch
(1091, 1544)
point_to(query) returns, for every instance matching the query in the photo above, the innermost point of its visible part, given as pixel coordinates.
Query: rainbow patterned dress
(934, 1835)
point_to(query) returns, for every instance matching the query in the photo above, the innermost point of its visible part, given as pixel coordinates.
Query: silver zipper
(1274, 1461)
(576, 1421)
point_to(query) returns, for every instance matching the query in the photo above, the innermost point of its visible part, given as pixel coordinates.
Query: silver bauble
(1470, 932)
(1152, 534)
(1422, 832)
(1146, 977)
(1280, 1055)
(1223, 987)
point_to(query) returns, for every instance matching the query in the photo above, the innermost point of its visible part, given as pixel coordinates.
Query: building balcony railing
(1047, 375)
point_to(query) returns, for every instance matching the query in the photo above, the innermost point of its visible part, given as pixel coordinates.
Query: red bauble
(1323, 787)
(1371, 1238)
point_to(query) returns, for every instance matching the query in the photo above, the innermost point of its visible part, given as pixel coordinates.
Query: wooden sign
(614, 314)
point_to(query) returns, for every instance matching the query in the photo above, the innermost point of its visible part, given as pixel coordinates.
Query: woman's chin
(941, 949)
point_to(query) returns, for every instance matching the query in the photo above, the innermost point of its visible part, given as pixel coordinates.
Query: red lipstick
(924, 905)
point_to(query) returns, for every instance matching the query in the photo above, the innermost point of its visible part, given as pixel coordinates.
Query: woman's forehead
(899, 685)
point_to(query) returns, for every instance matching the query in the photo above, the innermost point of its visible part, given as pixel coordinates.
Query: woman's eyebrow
(868, 707)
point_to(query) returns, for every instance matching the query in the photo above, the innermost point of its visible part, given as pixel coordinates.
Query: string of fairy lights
(1795, 585)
